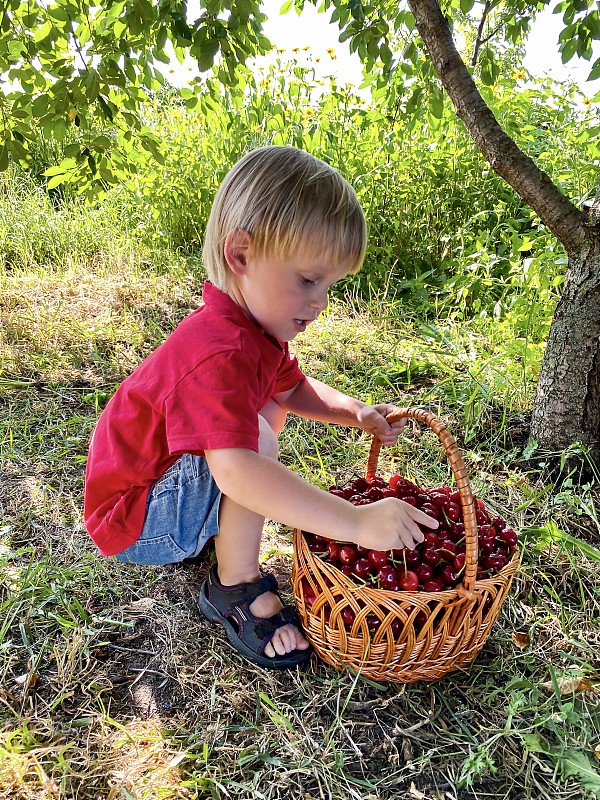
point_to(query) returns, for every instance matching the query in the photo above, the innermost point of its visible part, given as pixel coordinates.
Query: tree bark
(567, 405)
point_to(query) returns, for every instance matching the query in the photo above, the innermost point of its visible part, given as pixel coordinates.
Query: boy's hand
(391, 524)
(372, 419)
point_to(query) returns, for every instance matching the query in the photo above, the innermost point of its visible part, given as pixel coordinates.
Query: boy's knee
(268, 444)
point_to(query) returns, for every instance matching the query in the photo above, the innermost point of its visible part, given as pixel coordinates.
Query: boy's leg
(237, 546)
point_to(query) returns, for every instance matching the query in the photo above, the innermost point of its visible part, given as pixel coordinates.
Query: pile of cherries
(435, 565)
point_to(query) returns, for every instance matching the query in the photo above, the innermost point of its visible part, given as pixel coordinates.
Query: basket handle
(467, 501)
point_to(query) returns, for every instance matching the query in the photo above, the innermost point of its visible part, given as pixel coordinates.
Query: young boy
(187, 447)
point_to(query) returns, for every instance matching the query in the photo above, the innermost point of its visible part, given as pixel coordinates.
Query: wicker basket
(439, 632)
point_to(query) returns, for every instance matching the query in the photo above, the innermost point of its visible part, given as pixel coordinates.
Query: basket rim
(354, 587)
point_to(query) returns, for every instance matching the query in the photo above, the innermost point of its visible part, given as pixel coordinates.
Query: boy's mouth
(302, 324)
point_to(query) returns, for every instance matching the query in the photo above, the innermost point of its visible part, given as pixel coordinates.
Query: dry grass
(111, 684)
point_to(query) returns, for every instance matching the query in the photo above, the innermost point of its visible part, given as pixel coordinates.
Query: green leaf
(576, 764)
(4, 159)
(466, 5)
(595, 73)
(551, 534)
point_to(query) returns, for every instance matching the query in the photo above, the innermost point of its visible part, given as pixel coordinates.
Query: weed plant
(111, 684)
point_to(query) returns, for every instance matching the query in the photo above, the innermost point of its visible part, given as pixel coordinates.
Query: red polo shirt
(200, 390)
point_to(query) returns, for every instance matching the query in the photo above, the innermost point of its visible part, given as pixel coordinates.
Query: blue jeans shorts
(182, 514)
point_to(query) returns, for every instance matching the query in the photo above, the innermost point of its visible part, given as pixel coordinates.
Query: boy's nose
(320, 301)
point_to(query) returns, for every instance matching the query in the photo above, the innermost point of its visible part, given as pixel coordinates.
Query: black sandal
(230, 607)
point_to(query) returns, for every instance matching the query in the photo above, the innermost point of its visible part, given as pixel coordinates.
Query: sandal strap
(226, 598)
(266, 627)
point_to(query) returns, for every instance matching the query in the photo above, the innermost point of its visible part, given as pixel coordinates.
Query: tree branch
(531, 183)
(479, 40)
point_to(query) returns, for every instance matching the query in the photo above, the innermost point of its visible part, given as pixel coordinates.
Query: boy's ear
(236, 250)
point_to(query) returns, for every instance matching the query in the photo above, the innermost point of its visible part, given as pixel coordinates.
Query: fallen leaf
(521, 640)
(570, 685)
(29, 680)
(597, 751)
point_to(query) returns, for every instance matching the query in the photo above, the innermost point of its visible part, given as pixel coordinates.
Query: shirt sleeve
(215, 406)
(289, 373)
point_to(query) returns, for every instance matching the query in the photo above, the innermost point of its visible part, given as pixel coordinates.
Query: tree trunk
(567, 405)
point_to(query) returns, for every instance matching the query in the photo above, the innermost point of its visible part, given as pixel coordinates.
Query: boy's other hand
(372, 419)
(391, 524)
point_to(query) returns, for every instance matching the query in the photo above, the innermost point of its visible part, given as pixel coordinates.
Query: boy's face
(283, 296)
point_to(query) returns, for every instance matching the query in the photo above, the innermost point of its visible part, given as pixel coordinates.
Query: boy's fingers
(421, 517)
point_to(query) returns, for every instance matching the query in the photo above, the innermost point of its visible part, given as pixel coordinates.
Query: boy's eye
(306, 281)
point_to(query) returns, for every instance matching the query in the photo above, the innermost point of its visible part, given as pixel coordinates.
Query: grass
(112, 686)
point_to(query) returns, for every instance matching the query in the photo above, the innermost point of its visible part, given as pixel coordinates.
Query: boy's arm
(316, 400)
(270, 489)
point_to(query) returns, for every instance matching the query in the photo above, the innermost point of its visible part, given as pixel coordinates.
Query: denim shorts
(182, 514)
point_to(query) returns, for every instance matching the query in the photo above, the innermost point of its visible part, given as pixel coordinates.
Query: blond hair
(287, 200)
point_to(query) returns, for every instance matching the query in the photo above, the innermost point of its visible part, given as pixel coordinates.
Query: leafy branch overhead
(81, 72)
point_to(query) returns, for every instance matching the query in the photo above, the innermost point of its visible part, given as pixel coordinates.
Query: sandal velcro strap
(240, 593)
(266, 627)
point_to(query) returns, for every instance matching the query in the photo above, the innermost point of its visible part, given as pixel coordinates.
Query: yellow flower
(587, 101)
(520, 75)
(306, 47)
(330, 51)
(281, 50)
(295, 49)
(317, 60)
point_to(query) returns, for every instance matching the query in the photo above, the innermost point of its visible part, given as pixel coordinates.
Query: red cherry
(346, 569)
(447, 549)
(482, 517)
(360, 485)
(432, 556)
(361, 568)
(378, 558)
(308, 592)
(396, 627)
(494, 562)
(408, 580)
(394, 480)
(459, 562)
(438, 498)
(338, 493)
(455, 497)
(317, 547)
(430, 510)
(509, 537)
(412, 557)
(388, 492)
(434, 585)
(452, 511)
(421, 497)
(373, 622)
(374, 493)
(424, 572)
(431, 539)
(407, 498)
(348, 616)
(347, 554)
(333, 551)
(486, 546)
(449, 576)
(387, 578)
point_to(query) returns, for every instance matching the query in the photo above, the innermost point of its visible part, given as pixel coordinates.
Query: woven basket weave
(445, 637)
